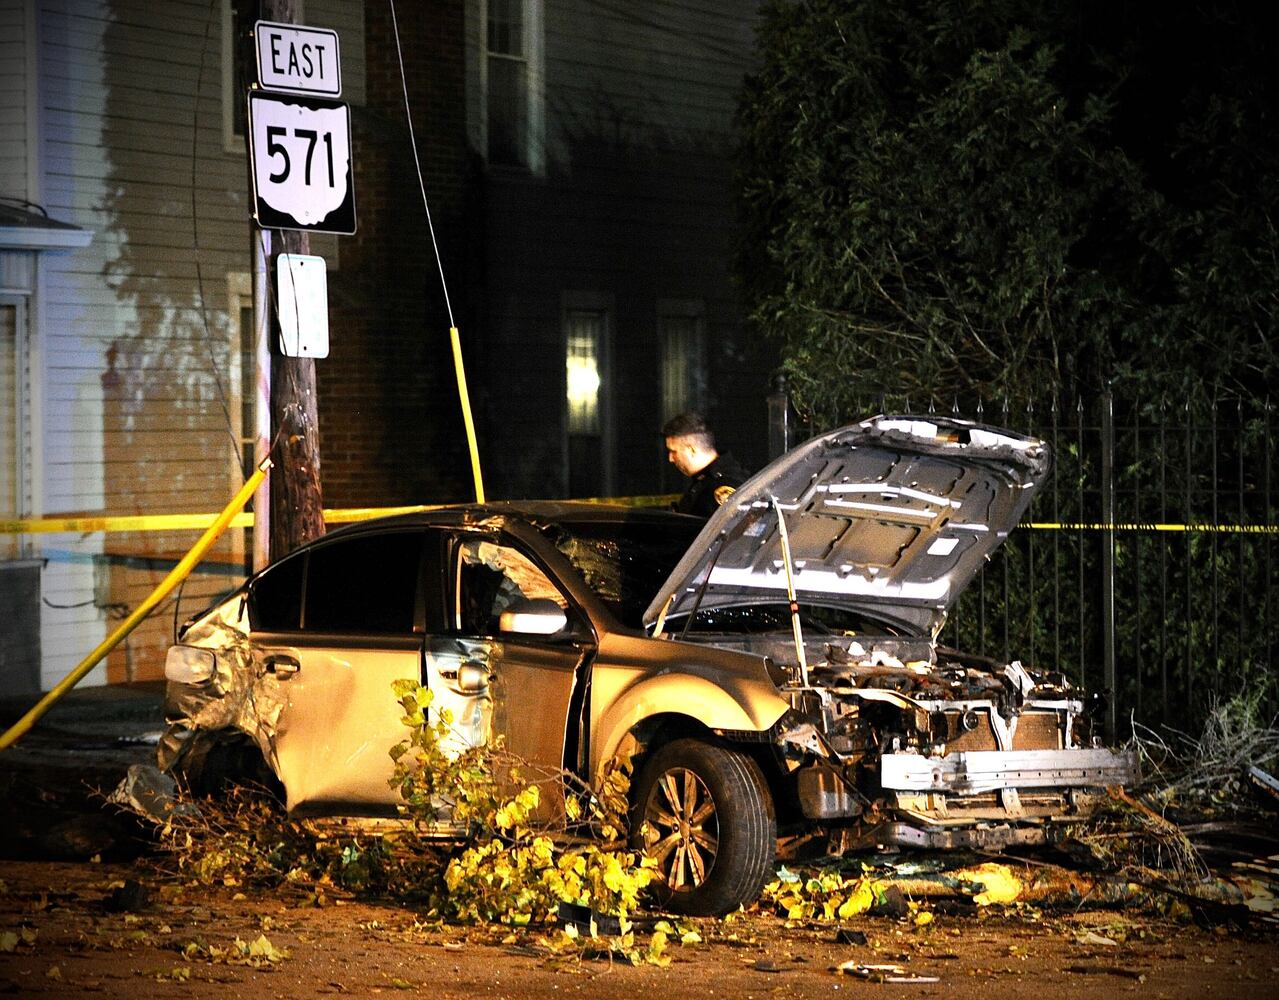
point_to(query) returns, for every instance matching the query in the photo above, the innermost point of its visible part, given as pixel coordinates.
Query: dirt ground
(123, 930)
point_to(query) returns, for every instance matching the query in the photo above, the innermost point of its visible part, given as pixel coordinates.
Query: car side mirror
(535, 616)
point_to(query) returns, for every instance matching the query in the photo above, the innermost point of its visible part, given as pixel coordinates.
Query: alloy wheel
(682, 829)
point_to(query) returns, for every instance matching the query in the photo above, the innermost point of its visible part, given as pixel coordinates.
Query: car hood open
(892, 517)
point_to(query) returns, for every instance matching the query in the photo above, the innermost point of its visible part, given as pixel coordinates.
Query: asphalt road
(53, 781)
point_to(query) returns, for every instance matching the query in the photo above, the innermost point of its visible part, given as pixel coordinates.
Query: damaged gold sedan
(774, 671)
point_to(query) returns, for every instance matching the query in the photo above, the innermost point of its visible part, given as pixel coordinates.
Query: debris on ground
(882, 973)
(151, 794)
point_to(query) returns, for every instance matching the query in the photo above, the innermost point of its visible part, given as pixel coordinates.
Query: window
(585, 335)
(10, 435)
(682, 362)
(247, 392)
(365, 585)
(237, 21)
(275, 603)
(511, 82)
(239, 66)
(682, 370)
(492, 578)
(623, 564)
(241, 388)
(587, 386)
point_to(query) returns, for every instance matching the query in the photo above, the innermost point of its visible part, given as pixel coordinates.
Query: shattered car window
(624, 564)
(494, 578)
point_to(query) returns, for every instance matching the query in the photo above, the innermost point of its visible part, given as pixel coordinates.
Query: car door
(360, 627)
(496, 672)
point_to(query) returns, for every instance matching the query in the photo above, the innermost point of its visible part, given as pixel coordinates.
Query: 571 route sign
(303, 172)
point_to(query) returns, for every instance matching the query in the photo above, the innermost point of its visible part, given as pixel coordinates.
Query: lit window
(588, 383)
(585, 330)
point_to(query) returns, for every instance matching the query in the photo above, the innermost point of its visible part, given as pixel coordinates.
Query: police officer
(690, 447)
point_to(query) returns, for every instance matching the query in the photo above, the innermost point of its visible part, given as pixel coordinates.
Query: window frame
(453, 573)
(420, 591)
(18, 402)
(233, 98)
(534, 58)
(684, 309)
(604, 304)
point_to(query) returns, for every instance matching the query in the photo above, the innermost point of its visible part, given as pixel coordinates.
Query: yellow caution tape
(177, 522)
(198, 522)
(139, 522)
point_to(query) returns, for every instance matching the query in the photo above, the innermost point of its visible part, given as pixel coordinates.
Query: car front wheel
(704, 814)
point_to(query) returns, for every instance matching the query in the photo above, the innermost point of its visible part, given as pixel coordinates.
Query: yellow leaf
(263, 948)
(859, 900)
(998, 883)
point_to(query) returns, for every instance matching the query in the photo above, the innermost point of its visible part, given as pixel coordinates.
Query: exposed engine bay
(900, 741)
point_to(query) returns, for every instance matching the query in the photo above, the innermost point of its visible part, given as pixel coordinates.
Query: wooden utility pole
(296, 508)
(297, 513)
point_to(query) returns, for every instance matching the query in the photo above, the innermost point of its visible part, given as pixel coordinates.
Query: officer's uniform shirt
(709, 488)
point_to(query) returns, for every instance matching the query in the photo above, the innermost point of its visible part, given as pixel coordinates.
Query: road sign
(294, 59)
(303, 172)
(303, 294)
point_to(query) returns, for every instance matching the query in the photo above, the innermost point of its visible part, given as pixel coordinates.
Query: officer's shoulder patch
(722, 493)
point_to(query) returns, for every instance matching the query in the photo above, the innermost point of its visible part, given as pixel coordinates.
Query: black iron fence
(1146, 567)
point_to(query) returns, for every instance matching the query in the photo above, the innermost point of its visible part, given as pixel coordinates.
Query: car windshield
(624, 563)
(754, 619)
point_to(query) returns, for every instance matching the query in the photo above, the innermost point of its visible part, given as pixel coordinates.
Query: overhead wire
(417, 163)
(454, 337)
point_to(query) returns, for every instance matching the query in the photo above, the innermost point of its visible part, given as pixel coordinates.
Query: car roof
(537, 512)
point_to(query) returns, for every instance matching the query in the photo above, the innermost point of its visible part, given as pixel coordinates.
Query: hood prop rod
(790, 594)
(701, 591)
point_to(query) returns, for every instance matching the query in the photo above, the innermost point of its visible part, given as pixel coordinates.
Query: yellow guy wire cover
(176, 576)
(466, 413)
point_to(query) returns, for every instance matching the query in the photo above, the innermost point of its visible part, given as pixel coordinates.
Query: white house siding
(136, 336)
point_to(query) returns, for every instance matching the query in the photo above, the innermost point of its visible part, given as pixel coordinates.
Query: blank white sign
(302, 290)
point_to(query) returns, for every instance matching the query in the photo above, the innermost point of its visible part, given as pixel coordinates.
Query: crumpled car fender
(734, 703)
(238, 698)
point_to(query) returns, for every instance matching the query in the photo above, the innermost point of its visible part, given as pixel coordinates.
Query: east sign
(294, 59)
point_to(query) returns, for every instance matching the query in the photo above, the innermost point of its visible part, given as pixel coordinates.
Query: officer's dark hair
(692, 425)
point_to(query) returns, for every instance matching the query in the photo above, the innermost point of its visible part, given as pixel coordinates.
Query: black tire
(722, 858)
(215, 764)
